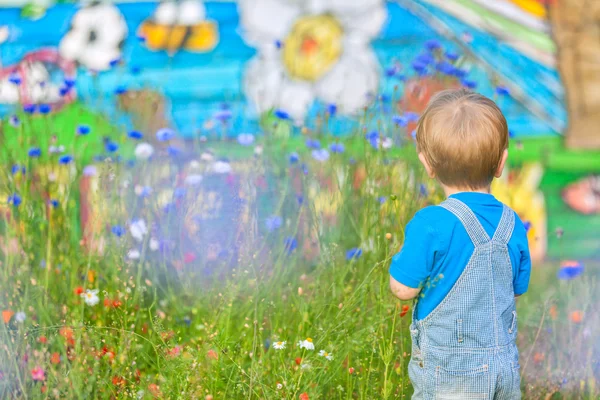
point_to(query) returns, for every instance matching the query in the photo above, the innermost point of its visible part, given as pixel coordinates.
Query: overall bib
(465, 348)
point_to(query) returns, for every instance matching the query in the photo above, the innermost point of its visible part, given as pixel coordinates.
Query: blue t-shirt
(437, 249)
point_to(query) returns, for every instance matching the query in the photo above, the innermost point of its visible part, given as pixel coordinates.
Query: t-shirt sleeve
(521, 282)
(412, 265)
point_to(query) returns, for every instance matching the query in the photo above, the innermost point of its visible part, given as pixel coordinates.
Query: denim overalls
(465, 348)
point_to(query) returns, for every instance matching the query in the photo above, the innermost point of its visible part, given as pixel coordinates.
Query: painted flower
(143, 151)
(133, 254)
(135, 135)
(311, 50)
(325, 354)
(14, 199)
(34, 152)
(118, 230)
(290, 244)
(90, 170)
(138, 229)
(273, 223)
(83, 130)
(570, 270)
(66, 159)
(36, 87)
(165, 134)
(279, 345)
(14, 121)
(336, 148)
(96, 36)
(91, 297)
(306, 344)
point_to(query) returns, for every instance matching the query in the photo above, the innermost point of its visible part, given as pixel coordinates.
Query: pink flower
(38, 374)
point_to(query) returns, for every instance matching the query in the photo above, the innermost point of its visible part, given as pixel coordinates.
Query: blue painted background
(197, 84)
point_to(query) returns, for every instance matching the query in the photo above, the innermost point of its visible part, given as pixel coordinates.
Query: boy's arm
(401, 291)
(411, 267)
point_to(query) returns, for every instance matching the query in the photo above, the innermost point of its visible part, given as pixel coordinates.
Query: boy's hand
(403, 292)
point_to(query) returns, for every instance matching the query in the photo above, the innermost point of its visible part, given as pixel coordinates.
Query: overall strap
(468, 219)
(505, 226)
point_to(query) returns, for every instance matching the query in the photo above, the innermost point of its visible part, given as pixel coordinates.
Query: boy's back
(465, 260)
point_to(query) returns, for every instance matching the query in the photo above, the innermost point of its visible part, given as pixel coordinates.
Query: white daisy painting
(311, 50)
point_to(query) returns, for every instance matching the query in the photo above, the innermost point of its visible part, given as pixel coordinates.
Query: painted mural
(195, 195)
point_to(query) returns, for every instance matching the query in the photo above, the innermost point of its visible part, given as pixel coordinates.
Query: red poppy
(7, 315)
(66, 332)
(304, 396)
(298, 360)
(189, 257)
(118, 380)
(43, 339)
(212, 354)
(154, 390)
(576, 316)
(78, 290)
(404, 311)
(350, 370)
(55, 359)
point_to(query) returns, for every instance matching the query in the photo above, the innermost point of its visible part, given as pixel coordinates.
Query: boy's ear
(430, 171)
(501, 164)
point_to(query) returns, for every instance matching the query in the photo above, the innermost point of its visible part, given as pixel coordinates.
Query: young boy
(466, 259)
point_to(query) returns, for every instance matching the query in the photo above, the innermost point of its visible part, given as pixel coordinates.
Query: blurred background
(152, 150)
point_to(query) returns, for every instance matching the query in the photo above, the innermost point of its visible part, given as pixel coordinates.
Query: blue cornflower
(381, 199)
(570, 270)
(452, 56)
(135, 135)
(114, 63)
(14, 199)
(419, 67)
(304, 168)
(29, 108)
(282, 114)
(111, 146)
(331, 109)
(223, 115)
(165, 134)
(391, 71)
(425, 58)
(118, 230)
(468, 83)
(300, 199)
(120, 90)
(135, 70)
(63, 91)
(45, 108)
(414, 134)
(336, 148)
(294, 157)
(432, 44)
(502, 91)
(273, 223)
(14, 78)
(445, 68)
(34, 152)
(373, 138)
(460, 73)
(423, 191)
(179, 192)
(511, 134)
(527, 225)
(83, 129)
(313, 144)
(411, 116)
(290, 244)
(278, 44)
(54, 203)
(66, 159)
(353, 254)
(173, 151)
(69, 82)
(15, 168)
(14, 121)
(320, 155)
(400, 120)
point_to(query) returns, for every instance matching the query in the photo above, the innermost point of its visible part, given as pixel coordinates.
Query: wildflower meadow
(243, 263)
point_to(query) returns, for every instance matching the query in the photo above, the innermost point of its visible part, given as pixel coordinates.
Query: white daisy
(221, 167)
(387, 143)
(306, 344)
(193, 179)
(153, 244)
(138, 229)
(325, 354)
(20, 316)
(279, 345)
(143, 151)
(133, 254)
(91, 297)
(310, 50)
(206, 156)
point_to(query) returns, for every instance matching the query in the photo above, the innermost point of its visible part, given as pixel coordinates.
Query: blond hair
(462, 135)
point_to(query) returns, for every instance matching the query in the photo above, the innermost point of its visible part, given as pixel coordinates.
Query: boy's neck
(449, 190)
